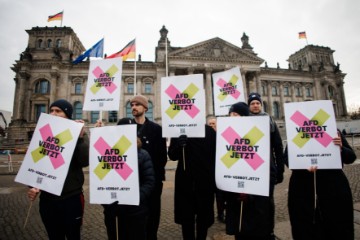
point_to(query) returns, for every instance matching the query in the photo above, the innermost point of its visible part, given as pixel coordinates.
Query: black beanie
(64, 105)
(241, 108)
(254, 96)
(124, 121)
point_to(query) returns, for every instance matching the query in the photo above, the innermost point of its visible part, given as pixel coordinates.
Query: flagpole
(135, 71)
(62, 17)
(166, 58)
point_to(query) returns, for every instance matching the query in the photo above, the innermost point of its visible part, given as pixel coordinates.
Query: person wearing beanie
(150, 134)
(276, 152)
(239, 109)
(131, 220)
(63, 215)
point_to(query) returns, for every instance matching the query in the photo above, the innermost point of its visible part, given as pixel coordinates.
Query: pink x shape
(221, 82)
(172, 91)
(46, 132)
(97, 72)
(101, 146)
(298, 118)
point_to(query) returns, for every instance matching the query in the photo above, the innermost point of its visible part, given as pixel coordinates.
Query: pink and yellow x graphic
(234, 93)
(254, 135)
(123, 144)
(111, 87)
(321, 117)
(45, 133)
(172, 91)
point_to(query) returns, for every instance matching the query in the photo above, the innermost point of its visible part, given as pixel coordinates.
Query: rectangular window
(94, 116)
(130, 88)
(274, 91)
(263, 90)
(113, 116)
(298, 91)
(286, 91)
(77, 88)
(308, 92)
(148, 88)
(39, 108)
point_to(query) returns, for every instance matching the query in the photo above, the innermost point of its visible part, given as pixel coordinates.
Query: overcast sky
(272, 27)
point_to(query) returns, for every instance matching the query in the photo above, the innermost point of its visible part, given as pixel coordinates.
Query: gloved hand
(279, 177)
(182, 140)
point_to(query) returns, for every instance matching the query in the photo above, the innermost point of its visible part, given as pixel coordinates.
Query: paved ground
(14, 206)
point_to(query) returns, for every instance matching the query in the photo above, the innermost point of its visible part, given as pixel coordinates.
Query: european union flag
(95, 51)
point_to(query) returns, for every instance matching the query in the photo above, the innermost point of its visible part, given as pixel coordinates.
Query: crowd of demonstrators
(194, 183)
(328, 213)
(128, 222)
(62, 215)
(219, 194)
(276, 152)
(150, 134)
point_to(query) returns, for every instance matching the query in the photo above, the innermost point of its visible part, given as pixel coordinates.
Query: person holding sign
(128, 222)
(276, 150)
(194, 183)
(248, 216)
(150, 135)
(62, 215)
(320, 201)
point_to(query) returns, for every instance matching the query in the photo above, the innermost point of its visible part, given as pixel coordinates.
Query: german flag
(302, 35)
(128, 51)
(56, 17)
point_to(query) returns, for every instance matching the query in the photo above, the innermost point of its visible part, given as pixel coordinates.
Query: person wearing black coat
(131, 220)
(194, 183)
(331, 216)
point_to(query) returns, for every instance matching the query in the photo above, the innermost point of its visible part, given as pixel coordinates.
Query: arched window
(148, 114)
(49, 43)
(58, 43)
(276, 110)
(94, 115)
(274, 90)
(78, 110)
(39, 43)
(286, 91)
(265, 107)
(42, 87)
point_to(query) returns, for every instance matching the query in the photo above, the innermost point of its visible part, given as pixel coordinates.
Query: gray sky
(272, 27)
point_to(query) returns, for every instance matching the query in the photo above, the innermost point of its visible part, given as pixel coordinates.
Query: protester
(194, 183)
(129, 221)
(150, 134)
(256, 211)
(219, 194)
(276, 151)
(329, 213)
(62, 215)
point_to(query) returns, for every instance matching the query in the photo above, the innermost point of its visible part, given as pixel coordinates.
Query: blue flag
(95, 51)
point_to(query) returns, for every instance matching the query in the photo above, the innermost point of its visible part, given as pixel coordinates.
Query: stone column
(258, 83)
(172, 71)
(54, 87)
(270, 103)
(208, 92)
(190, 70)
(122, 105)
(243, 76)
(303, 91)
(293, 94)
(281, 105)
(342, 98)
(139, 89)
(23, 82)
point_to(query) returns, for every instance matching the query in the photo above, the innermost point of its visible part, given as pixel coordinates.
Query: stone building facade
(45, 73)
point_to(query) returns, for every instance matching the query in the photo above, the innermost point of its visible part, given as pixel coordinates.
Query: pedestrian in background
(276, 152)
(328, 213)
(62, 215)
(194, 183)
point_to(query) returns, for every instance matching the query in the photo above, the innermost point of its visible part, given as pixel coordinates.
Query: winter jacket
(195, 183)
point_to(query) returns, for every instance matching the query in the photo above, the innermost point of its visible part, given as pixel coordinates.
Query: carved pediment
(216, 49)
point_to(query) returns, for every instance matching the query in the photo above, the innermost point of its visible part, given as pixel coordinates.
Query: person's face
(56, 111)
(137, 109)
(255, 106)
(212, 123)
(234, 114)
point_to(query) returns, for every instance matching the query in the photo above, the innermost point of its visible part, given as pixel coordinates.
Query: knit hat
(124, 121)
(140, 99)
(241, 108)
(65, 106)
(254, 96)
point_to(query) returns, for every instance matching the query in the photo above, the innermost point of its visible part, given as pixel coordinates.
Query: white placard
(48, 157)
(183, 106)
(113, 165)
(243, 154)
(103, 85)
(310, 128)
(227, 90)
